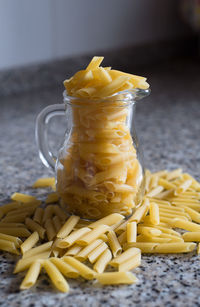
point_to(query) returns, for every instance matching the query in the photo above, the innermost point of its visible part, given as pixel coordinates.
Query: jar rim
(127, 97)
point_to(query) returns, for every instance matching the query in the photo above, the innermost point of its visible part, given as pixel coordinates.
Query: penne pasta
(31, 276)
(38, 250)
(15, 231)
(92, 235)
(56, 277)
(50, 230)
(114, 243)
(114, 278)
(73, 237)
(44, 182)
(13, 239)
(103, 261)
(84, 252)
(125, 256)
(38, 215)
(83, 270)
(29, 242)
(95, 253)
(8, 246)
(130, 264)
(191, 236)
(33, 226)
(68, 226)
(25, 263)
(66, 269)
(108, 220)
(154, 214)
(131, 232)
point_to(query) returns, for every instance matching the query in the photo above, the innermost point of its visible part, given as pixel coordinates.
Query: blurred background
(39, 31)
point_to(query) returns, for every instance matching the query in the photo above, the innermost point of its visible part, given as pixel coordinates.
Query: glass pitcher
(99, 169)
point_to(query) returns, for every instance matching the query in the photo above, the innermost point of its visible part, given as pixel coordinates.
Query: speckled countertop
(168, 125)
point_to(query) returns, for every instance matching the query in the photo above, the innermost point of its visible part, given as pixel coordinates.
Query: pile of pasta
(99, 172)
(105, 250)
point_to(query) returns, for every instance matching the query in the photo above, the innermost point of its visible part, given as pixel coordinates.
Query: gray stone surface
(168, 125)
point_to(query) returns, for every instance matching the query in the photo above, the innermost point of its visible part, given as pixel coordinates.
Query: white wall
(41, 30)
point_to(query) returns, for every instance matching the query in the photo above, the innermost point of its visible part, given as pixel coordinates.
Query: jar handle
(42, 121)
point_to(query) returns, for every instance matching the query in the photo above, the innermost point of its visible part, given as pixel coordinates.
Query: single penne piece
(130, 264)
(173, 215)
(31, 276)
(131, 232)
(38, 215)
(56, 277)
(186, 225)
(15, 231)
(17, 241)
(114, 243)
(171, 208)
(155, 191)
(143, 238)
(153, 182)
(28, 210)
(23, 198)
(165, 194)
(108, 220)
(159, 201)
(50, 230)
(174, 174)
(154, 214)
(183, 187)
(38, 250)
(148, 231)
(171, 248)
(95, 253)
(103, 261)
(116, 225)
(19, 218)
(44, 182)
(168, 231)
(25, 263)
(73, 250)
(84, 252)
(73, 237)
(126, 255)
(48, 212)
(59, 212)
(66, 269)
(140, 212)
(114, 278)
(92, 235)
(56, 223)
(8, 246)
(195, 216)
(171, 237)
(52, 198)
(33, 226)
(182, 205)
(145, 247)
(68, 226)
(122, 237)
(29, 242)
(147, 179)
(166, 184)
(83, 270)
(121, 228)
(191, 236)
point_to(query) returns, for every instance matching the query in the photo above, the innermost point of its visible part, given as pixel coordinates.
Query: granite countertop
(168, 126)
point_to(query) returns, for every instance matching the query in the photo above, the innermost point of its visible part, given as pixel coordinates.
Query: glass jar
(99, 168)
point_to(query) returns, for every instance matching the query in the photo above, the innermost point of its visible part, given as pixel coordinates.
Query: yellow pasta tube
(38, 250)
(57, 223)
(184, 186)
(56, 277)
(31, 276)
(131, 231)
(125, 256)
(190, 226)
(171, 237)
(168, 231)
(59, 212)
(103, 261)
(174, 174)
(198, 249)
(148, 231)
(155, 191)
(68, 226)
(50, 230)
(15, 231)
(17, 241)
(84, 252)
(195, 216)
(143, 238)
(8, 246)
(114, 243)
(15, 218)
(109, 220)
(93, 235)
(171, 248)
(95, 62)
(25, 263)
(191, 236)
(44, 182)
(166, 184)
(83, 270)
(29, 242)
(114, 278)
(33, 226)
(140, 212)
(145, 247)
(131, 263)
(23, 198)
(66, 269)
(38, 215)
(73, 250)
(52, 198)
(9, 207)
(73, 237)
(95, 253)
(48, 212)
(154, 214)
